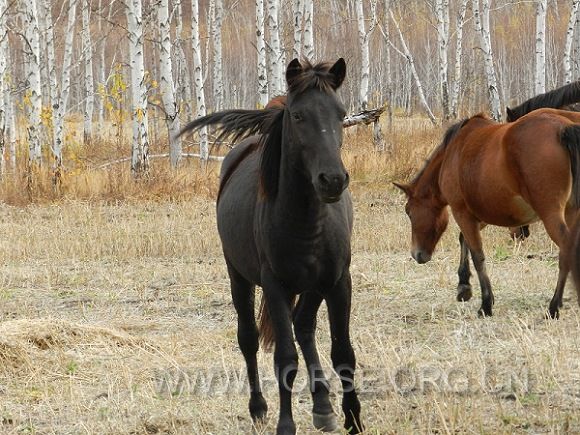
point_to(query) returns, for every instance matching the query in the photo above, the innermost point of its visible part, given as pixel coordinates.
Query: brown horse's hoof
(464, 292)
(325, 422)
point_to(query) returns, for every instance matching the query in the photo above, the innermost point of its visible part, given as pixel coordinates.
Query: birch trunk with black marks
(275, 50)
(34, 91)
(297, 13)
(540, 71)
(198, 80)
(3, 82)
(569, 41)
(263, 97)
(482, 27)
(407, 53)
(183, 82)
(454, 98)
(216, 31)
(442, 14)
(89, 80)
(140, 142)
(308, 35)
(363, 39)
(166, 86)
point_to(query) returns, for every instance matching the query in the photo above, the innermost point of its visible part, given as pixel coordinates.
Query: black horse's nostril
(323, 179)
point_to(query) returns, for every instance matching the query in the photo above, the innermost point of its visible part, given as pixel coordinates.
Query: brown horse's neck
(427, 182)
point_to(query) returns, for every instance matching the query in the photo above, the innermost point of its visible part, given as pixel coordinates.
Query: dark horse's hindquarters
(285, 221)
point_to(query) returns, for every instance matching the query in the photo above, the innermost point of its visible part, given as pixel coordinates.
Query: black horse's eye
(297, 116)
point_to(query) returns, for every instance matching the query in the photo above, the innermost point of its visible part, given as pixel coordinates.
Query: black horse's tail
(556, 99)
(570, 138)
(265, 327)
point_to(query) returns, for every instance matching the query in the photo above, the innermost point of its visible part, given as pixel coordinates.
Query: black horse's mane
(450, 133)
(556, 99)
(239, 124)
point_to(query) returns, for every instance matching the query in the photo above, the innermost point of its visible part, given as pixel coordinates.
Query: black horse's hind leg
(464, 292)
(343, 358)
(305, 328)
(243, 298)
(279, 301)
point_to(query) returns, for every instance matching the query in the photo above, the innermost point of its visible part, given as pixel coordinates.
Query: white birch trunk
(89, 81)
(54, 92)
(309, 30)
(102, 74)
(411, 61)
(3, 82)
(198, 79)
(297, 12)
(442, 14)
(183, 80)
(540, 72)
(569, 41)
(458, 54)
(59, 108)
(140, 144)
(482, 27)
(263, 97)
(388, 65)
(166, 86)
(365, 61)
(10, 122)
(275, 52)
(216, 30)
(34, 92)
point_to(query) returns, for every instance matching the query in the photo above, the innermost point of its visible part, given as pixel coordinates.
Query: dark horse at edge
(284, 216)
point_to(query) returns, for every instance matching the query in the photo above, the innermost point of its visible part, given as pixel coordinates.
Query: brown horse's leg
(279, 302)
(464, 292)
(342, 353)
(470, 228)
(243, 299)
(305, 327)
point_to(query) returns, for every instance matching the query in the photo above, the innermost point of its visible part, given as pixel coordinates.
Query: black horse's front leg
(342, 354)
(464, 292)
(279, 303)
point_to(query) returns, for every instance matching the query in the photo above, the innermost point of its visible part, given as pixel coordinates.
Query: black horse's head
(313, 125)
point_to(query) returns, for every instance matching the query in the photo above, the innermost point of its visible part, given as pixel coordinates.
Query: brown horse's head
(429, 219)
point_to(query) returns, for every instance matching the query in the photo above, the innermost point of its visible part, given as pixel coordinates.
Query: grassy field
(115, 317)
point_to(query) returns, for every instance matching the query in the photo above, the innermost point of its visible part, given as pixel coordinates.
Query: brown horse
(499, 174)
(574, 257)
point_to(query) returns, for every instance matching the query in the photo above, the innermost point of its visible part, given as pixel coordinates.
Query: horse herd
(284, 216)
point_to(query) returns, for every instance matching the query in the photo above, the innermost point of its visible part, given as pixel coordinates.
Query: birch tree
(309, 30)
(482, 28)
(89, 81)
(3, 80)
(297, 13)
(569, 41)
(183, 82)
(261, 50)
(442, 14)
(140, 143)
(216, 30)
(275, 52)
(458, 58)
(34, 92)
(540, 71)
(198, 79)
(363, 38)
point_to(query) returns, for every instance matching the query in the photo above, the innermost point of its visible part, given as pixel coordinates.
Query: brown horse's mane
(450, 133)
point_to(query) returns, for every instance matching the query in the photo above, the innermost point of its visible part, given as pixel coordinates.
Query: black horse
(285, 219)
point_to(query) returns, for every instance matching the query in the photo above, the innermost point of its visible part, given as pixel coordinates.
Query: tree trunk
(140, 143)
(482, 27)
(261, 49)
(3, 80)
(309, 30)
(89, 81)
(458, 54)
(198, 80)
(442, 14)
(183, 82)
(216, 30)
(298, 12)
(166, 86)
(34, 92)
(275, 51)
(363, 39)
(540, 73)
(569, 41)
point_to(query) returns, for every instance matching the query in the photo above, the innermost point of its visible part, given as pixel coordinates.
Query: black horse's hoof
(353, 427)
(553, 313)
(484, 312)
(464, 292)
(258, 408)
(325, 422)
(286, 429)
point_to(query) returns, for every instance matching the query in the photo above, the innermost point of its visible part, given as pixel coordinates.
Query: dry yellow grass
(114, 313)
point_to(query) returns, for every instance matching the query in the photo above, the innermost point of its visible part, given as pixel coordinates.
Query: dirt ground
(116, 319)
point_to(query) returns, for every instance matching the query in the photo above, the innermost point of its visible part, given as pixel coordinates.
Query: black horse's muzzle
(331, 185)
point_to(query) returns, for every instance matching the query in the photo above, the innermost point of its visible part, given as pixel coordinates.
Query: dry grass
(110, 309)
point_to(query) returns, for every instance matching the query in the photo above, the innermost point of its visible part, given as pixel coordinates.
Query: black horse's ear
(338, 70)
(510, 114)
(404, 187)
(294, 69)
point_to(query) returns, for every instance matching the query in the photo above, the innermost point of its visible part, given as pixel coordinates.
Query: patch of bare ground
(118, 320)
